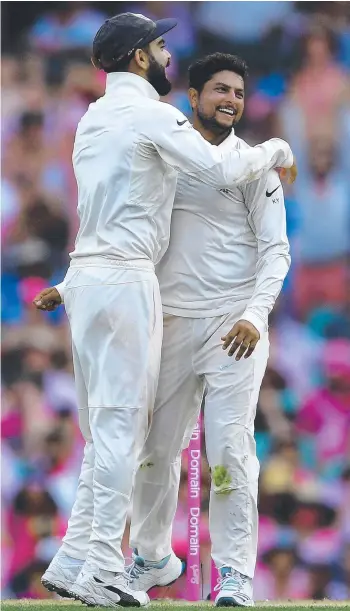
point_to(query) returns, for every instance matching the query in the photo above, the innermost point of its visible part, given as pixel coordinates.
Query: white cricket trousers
(115, 315)
(193, 363)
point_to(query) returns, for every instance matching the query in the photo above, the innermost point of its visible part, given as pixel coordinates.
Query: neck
(208, 134)
(136, 70)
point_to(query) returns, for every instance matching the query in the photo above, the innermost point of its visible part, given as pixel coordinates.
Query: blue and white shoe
(146, 574)
(235, 589)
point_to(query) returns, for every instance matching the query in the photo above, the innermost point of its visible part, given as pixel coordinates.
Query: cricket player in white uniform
(219, 279)
(128, 150)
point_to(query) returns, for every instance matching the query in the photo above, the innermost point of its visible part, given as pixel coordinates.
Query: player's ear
(193, 97)
(141, 59)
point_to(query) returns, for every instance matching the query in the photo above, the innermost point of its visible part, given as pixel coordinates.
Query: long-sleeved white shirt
(128, 150)
(227, 245)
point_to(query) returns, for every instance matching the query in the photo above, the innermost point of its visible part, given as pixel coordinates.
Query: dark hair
(115, 66)
(44, 504)
(31, 119)
(202, 70)
(320, 29)
(122, 65)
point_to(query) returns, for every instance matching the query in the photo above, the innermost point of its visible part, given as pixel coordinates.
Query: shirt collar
(117, 81)
(229, 142)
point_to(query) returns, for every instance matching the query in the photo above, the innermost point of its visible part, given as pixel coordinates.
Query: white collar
(129, 80)
(229, 142)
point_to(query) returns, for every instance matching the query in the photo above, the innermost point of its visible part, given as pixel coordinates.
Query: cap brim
(162, 27)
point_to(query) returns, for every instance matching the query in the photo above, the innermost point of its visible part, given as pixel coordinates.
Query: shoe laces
(134, 570)
(233, 580)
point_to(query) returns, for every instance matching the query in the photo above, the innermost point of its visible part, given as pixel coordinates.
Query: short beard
(211, 124)
(157, 78)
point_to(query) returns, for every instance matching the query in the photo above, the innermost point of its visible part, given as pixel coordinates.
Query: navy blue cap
(121, 35)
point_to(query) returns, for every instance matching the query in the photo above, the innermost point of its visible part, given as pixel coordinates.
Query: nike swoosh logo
(271, 192)
(182, 122)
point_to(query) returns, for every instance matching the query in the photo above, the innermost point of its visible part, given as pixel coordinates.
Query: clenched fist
(242, 337)
(48, 300)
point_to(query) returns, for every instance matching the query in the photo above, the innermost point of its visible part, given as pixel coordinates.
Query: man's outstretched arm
(183, 148)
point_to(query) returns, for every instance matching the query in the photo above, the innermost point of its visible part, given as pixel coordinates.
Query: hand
(48, 300)
(244, 336)
(288, 174)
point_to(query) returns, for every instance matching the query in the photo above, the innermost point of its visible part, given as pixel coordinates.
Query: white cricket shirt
(227, 245)
(127, 151)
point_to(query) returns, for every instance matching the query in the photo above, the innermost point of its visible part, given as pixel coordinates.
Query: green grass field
(167, 605)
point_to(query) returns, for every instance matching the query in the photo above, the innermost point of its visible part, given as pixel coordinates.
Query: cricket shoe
(146, 574)
(235, 589)
(95, 587)
(61, 574)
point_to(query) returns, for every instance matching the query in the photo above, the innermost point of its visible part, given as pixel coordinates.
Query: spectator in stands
(323, 192)
(68, 26)
(32, 517)
(280, 577)
(325, 415)
(303, 415)
(284, 472)
(319, 86)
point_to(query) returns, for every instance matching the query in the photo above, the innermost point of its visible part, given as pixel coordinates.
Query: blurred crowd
(299, 57)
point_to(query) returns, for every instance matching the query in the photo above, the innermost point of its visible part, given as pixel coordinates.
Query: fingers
(237, 342)
(289, 175)
(50, 306)
(284, 174)
(227, 339)
(241, 343)
(242, 338)
(243, 348)
(293, 173)
(39, 303)
(47, 300)
(251, 348)
(42, 300)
